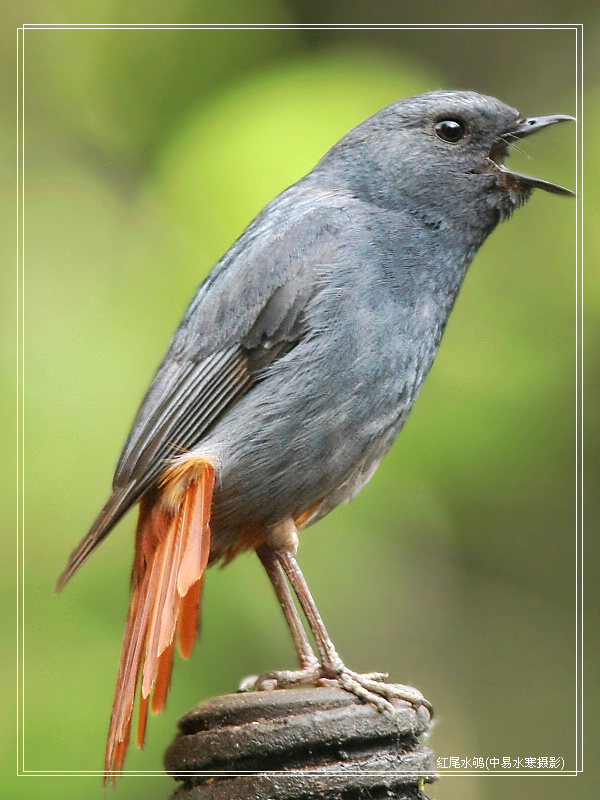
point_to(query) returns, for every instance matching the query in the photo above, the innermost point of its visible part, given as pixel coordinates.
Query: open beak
(525, 128)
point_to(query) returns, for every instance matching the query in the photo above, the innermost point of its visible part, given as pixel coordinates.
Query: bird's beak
(525, 128)
(533, 124)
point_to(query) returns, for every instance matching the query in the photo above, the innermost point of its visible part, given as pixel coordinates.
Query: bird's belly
(312, 433)
(286, 465)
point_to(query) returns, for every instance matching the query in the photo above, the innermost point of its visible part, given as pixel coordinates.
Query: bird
(292, 373)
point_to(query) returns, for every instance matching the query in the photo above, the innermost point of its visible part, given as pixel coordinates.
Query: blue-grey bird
(294, 370)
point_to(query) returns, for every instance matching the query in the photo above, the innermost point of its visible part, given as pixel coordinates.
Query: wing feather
(152, 437)
(251, 310)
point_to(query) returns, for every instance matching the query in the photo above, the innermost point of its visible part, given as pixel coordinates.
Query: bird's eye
(450, 130)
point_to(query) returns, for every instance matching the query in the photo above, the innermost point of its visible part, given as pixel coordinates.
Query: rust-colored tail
(171, 554)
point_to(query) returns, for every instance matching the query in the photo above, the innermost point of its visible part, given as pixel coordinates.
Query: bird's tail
(171, 555)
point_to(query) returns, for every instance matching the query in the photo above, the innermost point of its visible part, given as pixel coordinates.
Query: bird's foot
(282, 679)
(373, 687)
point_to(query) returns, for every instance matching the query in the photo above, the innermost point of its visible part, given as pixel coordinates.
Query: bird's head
(441, 152)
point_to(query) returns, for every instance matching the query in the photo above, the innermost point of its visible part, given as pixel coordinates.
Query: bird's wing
(249, 312)
(188, 395)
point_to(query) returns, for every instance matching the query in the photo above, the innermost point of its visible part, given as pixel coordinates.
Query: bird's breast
(312, 432)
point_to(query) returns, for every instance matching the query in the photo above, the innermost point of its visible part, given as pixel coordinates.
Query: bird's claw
(370, 687)
(373, 688)
(282, 679)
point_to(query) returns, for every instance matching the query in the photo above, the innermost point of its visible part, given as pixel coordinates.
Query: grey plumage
(302, 353)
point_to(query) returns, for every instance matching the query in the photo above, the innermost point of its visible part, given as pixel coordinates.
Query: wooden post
(299, 744)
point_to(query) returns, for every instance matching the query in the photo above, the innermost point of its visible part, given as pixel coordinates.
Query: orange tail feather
(172, 550)
(189, 619)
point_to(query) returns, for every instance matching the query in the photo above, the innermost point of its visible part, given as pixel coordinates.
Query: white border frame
(578, 29)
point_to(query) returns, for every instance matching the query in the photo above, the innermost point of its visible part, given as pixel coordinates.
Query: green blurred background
(146, 154)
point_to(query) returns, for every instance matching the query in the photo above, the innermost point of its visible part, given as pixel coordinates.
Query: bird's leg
(306, 656)
(310, 669)
(278, 558)
(371, 687)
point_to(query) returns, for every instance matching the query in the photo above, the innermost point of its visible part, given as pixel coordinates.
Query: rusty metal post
(300, 744)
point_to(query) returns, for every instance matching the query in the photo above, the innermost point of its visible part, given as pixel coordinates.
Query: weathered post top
(299, 744)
